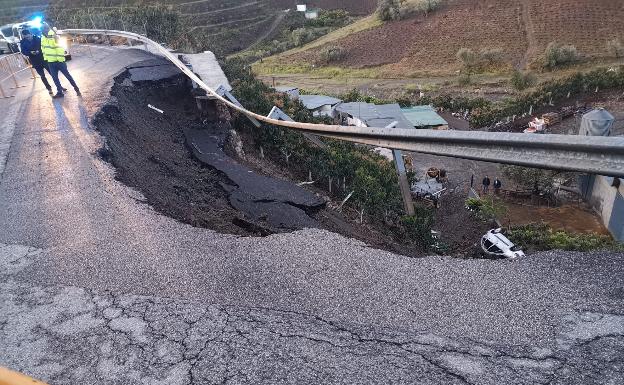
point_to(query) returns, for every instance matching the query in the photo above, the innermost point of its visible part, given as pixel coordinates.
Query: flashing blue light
(37, 22)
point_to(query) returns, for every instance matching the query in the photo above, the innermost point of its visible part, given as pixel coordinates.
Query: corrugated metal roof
(312, 102)
(375, 115)
(421, 116)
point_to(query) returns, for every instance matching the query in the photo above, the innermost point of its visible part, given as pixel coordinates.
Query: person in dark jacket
(31, 48)
(497, 186)
(486, 184)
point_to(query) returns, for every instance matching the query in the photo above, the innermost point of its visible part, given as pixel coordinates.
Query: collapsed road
(98, 287)
(148, 149)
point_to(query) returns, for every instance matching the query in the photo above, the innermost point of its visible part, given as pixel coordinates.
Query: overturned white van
(496, 245)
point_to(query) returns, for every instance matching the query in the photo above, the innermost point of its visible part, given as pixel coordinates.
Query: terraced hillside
(233, 24)
(520, 28)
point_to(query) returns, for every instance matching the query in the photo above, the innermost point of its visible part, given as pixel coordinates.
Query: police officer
(31, 48)
(54, 55)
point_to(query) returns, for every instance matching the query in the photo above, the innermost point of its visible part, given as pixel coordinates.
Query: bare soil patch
(521, 29)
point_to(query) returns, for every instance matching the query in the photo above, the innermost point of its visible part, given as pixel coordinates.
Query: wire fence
(11, 68)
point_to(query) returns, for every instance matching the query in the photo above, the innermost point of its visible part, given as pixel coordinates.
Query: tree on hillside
(427, 6)
(557, 55)
(389, 10)
(468, 58)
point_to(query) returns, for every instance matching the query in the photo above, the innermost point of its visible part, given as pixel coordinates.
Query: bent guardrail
(10, 66)
(596, 155)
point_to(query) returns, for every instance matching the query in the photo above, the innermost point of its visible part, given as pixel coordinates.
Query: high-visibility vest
(52, 52)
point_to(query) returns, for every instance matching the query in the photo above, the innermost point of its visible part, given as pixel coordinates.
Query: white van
(9, 43)
(496, 245)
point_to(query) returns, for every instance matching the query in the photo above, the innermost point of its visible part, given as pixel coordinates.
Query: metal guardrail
(10, 66)
(596, 155)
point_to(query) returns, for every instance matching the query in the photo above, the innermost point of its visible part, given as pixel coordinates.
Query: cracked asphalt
(98, 288)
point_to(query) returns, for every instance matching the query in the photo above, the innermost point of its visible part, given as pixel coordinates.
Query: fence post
(10, 60)
(2, 94)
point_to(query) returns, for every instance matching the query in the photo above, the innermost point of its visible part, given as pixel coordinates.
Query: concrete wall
(602, 199)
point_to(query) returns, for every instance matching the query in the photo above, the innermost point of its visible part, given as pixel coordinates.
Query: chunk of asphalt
(280, 203)
(153, 73)
(278, 214)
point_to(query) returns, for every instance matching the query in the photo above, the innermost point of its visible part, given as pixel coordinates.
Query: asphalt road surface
(98, 288)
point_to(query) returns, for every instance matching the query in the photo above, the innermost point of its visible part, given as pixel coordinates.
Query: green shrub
(356, 96)
(417, 229)
(464, 80)
(468, 58)
(491, 57)
(486, 209)
(426, 6)
(557, 55)
(412, 89)
(333, 18)
(388, 10)
(333, 54)
(474, 204)
(487, 58)
(615, 48)
(540, 237)
(523, 80)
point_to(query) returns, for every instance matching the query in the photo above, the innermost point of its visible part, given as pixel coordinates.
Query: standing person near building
(486, 185)
(497, 186)
(54, 55)
(31, 48)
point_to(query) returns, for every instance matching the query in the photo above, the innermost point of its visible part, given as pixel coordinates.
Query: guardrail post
(406, 191)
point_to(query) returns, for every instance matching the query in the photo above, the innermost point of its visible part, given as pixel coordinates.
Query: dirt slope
(521, 28)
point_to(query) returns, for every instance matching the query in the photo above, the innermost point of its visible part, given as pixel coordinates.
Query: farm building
(292, 92)
(319, 105)
(371, 115)
(425, 117)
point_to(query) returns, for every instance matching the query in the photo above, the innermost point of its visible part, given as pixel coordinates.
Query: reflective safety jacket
(52, 52)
